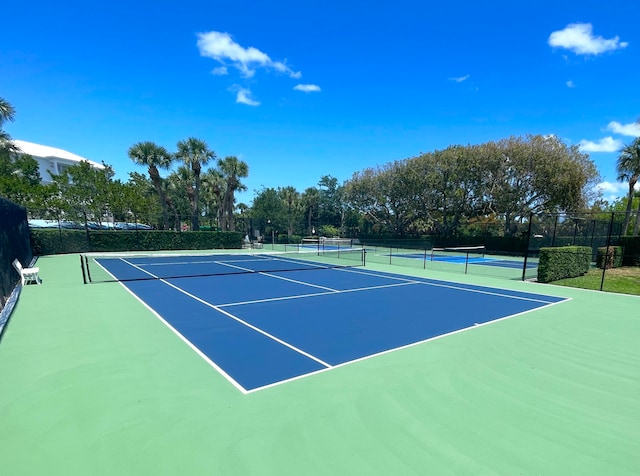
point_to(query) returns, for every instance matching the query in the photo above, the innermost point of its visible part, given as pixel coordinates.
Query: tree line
(445, 192)
(210, 193)
(504, 181)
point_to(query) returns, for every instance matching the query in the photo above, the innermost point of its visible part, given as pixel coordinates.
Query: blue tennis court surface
(263, 328)
(472, 260)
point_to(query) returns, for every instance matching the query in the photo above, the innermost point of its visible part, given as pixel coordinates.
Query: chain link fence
(508, 249)
(513, 252)
(15, 243)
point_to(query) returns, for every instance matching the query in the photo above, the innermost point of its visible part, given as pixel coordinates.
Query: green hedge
(563, 262)
(614, 259)
(48, 242)
(631, 246)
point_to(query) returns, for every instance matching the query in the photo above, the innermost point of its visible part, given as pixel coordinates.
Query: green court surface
(93, 383)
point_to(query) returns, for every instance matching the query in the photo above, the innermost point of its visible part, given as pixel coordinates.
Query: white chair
(28, 275)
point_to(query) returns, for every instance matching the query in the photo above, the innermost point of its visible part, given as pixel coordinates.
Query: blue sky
(299, 90)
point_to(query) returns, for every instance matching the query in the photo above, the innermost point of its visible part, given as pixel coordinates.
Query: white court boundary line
(299, 296)
(406, 346)
(180, 336)
(442, 284)
(405, 281)
(235, 318)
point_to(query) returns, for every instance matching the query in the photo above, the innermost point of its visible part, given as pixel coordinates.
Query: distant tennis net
(109, 267)
(457, 253)
(328, 244)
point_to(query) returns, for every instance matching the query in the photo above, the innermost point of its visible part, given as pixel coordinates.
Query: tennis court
(462, 259)
(92, 381)
(266, 318)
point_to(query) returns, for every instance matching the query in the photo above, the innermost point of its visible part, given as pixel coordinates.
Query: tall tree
(154, 157)
(330, 205)
(85, 191)
(181, 183)
(195, 153)
(292, 205)
(268, 211)
(628, 167)
(446, 189)
(7, 114)
(19, 178)
(232, 169)
(143, 199)
(213, 187)
(310, 202)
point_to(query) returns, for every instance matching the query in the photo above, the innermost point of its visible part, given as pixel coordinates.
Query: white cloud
(307, 88)
(611, 188)
(222, 48)
(460, 79)
(220, 71)
(578, 37)
(571, 84)
(243, 96)
(606, 144)
(614, 191)
(631, 130)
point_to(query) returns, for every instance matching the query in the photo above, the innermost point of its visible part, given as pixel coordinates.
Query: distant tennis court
(266, 318)
(462, 259)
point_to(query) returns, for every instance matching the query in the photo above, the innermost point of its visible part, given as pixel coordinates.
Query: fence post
(526, 251)
(555, 227)
(606, 252)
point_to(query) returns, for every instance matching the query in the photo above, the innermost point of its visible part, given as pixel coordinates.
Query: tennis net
(328, 244)
(110, 267)
(457, 253)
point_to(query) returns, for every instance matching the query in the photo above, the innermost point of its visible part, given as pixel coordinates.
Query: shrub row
(631, 246)
(613, 259)
(48, 242)
(289, 239)
(563, 262)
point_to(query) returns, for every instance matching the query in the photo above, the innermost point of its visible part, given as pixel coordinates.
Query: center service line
(237, 319)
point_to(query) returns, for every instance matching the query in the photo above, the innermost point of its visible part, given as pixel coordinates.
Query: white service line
(301, 282)
(179, 334)
(399, 348)
(237, 319)
(264, 273)
(330, 293)
(450, 286)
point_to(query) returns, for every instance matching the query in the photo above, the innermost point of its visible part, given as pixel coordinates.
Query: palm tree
(628, 168)
(291, 200)
(195, 153)
(183, 180)
(243, 211)
(7, 114)
(7, 111)
(154, 157)
(311, 201)
(213, 188)
(232, 170)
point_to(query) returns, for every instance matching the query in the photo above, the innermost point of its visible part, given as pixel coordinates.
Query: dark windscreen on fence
(14, 243)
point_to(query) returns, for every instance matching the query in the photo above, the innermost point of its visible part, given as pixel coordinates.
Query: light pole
(273, 247)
